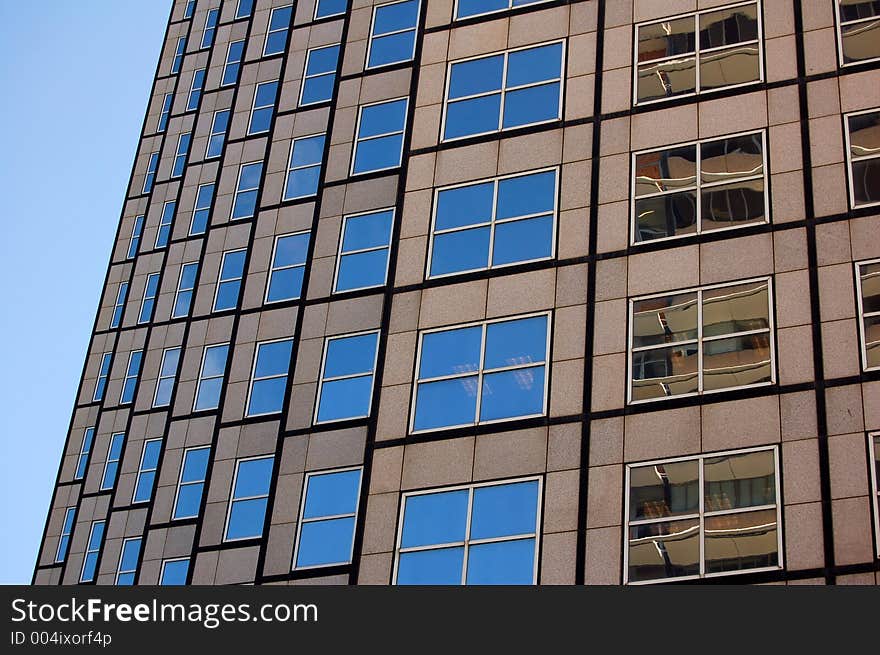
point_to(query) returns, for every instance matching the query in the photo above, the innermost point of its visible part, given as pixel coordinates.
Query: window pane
(526, 194)
(727, 158)
(130, 550)
(666, 39)
(302, 182)
(435, 518)
(662, 490)
(736, 481)
(215, 360)
(739, 308)
(728, 26)
(667, 79)
(669, 215)
(507, 562)
(291, 250)
(394, 17)
(512, 393)
(531, 105)
(665, 372)
(366, 269)
(367, 231)
(733, 204)
(872, 341)
(523, 240)
(209, 394)
(534, 65)
(860, 41)
(346, 398)
(475, 7)
(189, 498)
(378, 154)
(246, 519)
(322, 60)
(318, 89)
(332, 494)
(450, 352)
(866, 181)
(325, 542)
(466, 205)
(664, 550)
(267, 396)
(144, 487)
(450, 402)
(382, 118)
(504, 510)
(464, 250)
(730, 66)
(736, 542)
(431, 567)
(475, 116)
(664, 319)
(391, 49)
(468, 78)
(869, 277)
(174, 573)
(510, 343)
(285, 284)
(253, 477)
(273, 358)
(736, 361)
(350, 355)
(666, 170)
(195, 465)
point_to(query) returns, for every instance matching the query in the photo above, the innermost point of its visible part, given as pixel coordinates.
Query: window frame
(701, 514)
(119, 569)
(134, 241)
(357, 140)
(273, 268)
(184, 140)
(210, 29)
(150, 175)
(862, 314)
(290, 168)
(220, 280)
(699, 186)
(119, 305)
(179, 289)
(699, 340)
(414, 29)
(340, 253)
(108, 461)
(480, 371)
(253, 379)
(322, 379)
(214, 134)
(141, 471)
(105, 357)
(503, 90)
(201, 376)
(233, 499)
(255, 108)
(238, 191)
(760, 42)
(179, 53)
(197, 209)
(165, 224)
(181, 483)
(306, 77)
(96, 551)
(227, 63)
(150, 276)
(129, 376)
(838, 31)
(161, 377)
(301, 520)
(195, 92)
(848, 158)
(492, 223)
(85, 451)
(467, 542)
(65, 537)
(165, 112)
(270, 31)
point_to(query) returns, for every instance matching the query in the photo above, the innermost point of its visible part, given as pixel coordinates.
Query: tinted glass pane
(435, 518)
(465, 205)
(661, 490)
(726, 158)
(665, 372)
(739, 308)
(195, 465)
(527, 194)
(664, 550)
(97, 534)
(285, 284)
(361, 270)
(253, 477)
(431, 567)
(465, 250)
(667, 79)
(189, 498)
(280, 18)
(350, 355)
(88, 572)
(510, 343)
(174, 573)
(392, 48)
(151, 454)
(666, 39)
(346, 398)
(664, 319)
(306, 151)
(728, 26)
(332, 494)
(450, 352)
(741, 541)
(318, 89)
(330, 8)
(450, 402)
(215, 360)
(512, 393)
(322, 60)
(244, 8)
(669, 215)
(378, 154)
(267, 396)
(534, 65)
(737, 481)
(246, 519)
(523, 240)
(302, 182)
(325, 542)
(476, 76)
(860, 41)
(665, 170)
(869, 284)
(130, 551)
(507, 562)
(531, 105)
(227, 295)
(872, 341)
(733, 204)
(504, 510)
(382, 118)
(475, 7)
(866, 181)
(475, 116)
(144, 487)
(736, 361)
(250, 176)
(367, 231)
(394, 17)
(730, 66)
(233, 264)
(273, 358)
(209, 394)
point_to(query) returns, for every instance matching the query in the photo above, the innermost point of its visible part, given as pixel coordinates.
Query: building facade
(490, 291)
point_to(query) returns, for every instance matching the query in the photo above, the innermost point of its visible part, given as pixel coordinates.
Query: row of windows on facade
(681, 343)
(685, 518)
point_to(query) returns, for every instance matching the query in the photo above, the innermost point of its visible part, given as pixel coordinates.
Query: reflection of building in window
(863, 154)
(858, 25)
(868, 280)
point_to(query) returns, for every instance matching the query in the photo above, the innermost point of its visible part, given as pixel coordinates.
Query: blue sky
(76, 77)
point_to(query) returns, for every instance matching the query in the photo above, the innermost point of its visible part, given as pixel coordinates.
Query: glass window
(502, 91)
(151, 290)
(363, 251)
(346, 386)
(288, 265)
(219, 125)
(250, 496)
(485, 534)
(146, 477)
(128, 559)
(859, 31)
(699, 187)
(119, 305)
(211, 377)
(66, 531)
(325, 8)
(468, 8)
(264, 105)
(111, 465)
(191, 483)
(135, 241)
(244, 8)
(276, 36)
(493, 223)
(229, 282)
(131, 376)
(150, 177)
(83, 459)
(167, 375)
(379, 143)
(195, 91)
(189, 9)
(701, 340)
(178, 54)
(702, 516)
(166, 110)
(210, 28)
(103, 374)
(186, 285)
(868, 280)
(245, 203)
(202, 210)
(180, 156)
(269, 377)
(320, 75)
(304, 167)
(695, 53)
(231, 67)
(325, 533)
(93, 548)
(863, 157)
(393, 34)
(165, 221)
(482, 373)
(174, 571)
